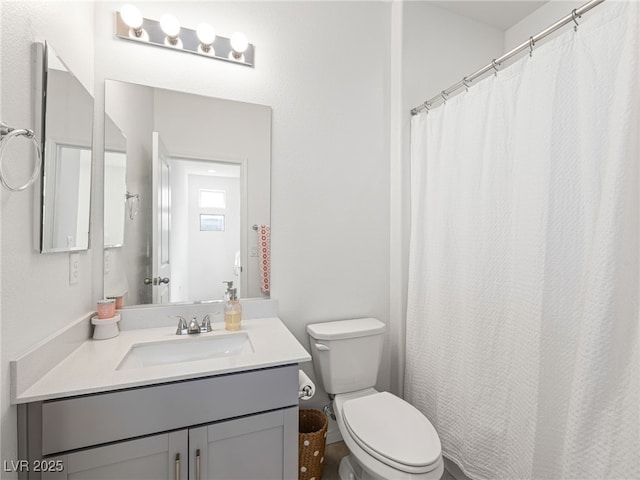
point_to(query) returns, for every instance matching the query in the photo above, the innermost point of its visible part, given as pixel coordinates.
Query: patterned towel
(264, 243)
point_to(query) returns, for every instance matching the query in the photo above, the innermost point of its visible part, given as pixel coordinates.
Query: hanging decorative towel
(264, 243)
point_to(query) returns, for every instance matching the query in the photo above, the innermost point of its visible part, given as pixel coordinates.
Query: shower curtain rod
(496, 62)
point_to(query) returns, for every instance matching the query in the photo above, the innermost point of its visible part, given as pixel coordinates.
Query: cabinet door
(157, 457)
(259, 447)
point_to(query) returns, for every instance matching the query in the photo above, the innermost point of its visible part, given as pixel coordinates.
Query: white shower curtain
(522, 323)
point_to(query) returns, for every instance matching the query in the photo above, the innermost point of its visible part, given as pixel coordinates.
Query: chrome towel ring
(6, 134)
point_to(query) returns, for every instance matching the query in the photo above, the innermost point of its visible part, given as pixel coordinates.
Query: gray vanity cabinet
(237, 426)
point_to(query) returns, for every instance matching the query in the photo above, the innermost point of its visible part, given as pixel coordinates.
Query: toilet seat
(393, 431)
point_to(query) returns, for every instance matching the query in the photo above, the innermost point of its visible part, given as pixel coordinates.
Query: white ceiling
(500, 14)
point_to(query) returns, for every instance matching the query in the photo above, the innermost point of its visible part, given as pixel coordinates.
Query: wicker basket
(311, 441)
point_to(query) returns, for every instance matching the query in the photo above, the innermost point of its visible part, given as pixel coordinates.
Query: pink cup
(106, 308)
(119, 301)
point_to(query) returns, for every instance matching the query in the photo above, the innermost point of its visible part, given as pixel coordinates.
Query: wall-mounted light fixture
(131, 25)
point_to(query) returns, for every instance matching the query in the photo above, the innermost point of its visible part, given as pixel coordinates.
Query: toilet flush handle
(321, 347)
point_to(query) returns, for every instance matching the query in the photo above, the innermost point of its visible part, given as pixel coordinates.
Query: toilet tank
(347, 353)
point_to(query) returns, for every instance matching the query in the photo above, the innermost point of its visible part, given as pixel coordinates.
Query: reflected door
(161, 264)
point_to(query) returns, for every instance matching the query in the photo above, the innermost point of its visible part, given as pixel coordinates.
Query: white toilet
(388, 438)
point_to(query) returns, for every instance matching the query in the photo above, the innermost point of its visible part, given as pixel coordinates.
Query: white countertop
(92, 367)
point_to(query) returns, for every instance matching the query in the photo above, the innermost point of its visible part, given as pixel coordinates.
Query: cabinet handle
(177, 466)
(198, 464)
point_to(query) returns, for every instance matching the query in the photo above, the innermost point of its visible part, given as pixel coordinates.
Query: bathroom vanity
(234, 415)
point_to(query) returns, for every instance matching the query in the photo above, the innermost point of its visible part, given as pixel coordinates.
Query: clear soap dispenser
(233, 311)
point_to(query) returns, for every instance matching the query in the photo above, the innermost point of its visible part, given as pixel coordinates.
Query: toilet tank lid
(341, 329)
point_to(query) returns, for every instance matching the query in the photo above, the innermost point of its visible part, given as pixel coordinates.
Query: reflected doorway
(206, 228)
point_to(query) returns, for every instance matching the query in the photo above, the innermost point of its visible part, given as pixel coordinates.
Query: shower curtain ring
(494, 64)
(444, 95)
(531, 45)
(466, 83)
(575, 16)
(427, 107)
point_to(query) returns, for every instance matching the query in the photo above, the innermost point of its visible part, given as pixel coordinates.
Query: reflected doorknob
(156, 281)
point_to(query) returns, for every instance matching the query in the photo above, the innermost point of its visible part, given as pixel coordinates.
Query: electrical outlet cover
(74, 268)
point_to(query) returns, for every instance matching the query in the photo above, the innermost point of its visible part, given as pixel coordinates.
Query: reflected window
(211, 223)
(213, 199)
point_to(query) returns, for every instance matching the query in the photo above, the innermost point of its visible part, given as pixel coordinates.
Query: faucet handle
(205, 326)
(182, 326)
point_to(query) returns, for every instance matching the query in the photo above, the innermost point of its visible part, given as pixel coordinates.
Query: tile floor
(334, 452)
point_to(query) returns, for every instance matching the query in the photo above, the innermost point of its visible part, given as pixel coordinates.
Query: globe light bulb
(206, 35)
(171, 27)
(239, 45)
(132, 17)
(239, 42)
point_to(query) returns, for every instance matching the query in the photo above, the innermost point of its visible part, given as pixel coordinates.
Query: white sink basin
(189, 349)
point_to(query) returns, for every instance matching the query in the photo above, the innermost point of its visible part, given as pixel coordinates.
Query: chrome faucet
(193, 327)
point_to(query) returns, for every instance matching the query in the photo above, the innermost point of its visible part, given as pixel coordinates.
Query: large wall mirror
(65, 129)
(187, 190)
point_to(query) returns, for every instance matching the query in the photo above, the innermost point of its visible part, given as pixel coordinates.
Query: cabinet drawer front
(244, 426)
(92, 420)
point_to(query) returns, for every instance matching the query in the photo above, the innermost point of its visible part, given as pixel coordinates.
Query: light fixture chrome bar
(153, 35)
(571, 17)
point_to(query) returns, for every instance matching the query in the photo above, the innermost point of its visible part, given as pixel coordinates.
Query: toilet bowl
(387, 437)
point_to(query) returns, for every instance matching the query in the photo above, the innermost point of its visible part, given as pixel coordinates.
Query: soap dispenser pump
(229, 284)
(233, 311)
